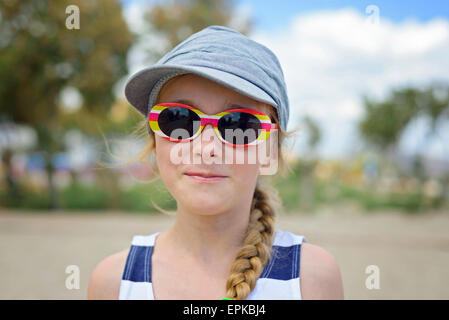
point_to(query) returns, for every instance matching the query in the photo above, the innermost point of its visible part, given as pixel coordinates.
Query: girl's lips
(205, 179)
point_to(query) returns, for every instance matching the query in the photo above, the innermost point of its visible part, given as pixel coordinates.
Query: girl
(224, 243)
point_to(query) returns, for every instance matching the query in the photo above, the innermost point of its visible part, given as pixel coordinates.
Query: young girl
(224, 243)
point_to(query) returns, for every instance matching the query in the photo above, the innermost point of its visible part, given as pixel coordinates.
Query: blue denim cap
(222, 55)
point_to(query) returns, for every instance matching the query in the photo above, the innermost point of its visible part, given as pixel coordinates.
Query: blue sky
(276, 14)
(272, 15)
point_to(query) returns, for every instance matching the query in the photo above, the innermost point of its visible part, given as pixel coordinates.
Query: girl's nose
(209, 145)
(208, 134)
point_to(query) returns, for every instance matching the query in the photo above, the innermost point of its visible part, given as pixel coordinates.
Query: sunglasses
(179, 122)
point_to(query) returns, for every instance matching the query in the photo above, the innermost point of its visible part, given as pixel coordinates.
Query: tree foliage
(385, 121)
(313, 132)
(178, 19)
(40, 56)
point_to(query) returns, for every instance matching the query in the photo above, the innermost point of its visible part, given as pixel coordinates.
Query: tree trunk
(12, 189)
(54, 200)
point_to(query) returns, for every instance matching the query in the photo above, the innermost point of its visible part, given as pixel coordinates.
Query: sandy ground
(411, 251)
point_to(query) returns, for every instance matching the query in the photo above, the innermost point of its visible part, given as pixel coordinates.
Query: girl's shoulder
(105, 279)
(320, 274)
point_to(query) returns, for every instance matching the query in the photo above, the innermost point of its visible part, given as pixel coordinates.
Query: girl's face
(194, 194)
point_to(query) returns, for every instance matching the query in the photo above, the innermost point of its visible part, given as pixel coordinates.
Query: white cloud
(331, 58)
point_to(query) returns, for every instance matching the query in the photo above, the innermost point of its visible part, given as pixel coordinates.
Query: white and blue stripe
(279, 279)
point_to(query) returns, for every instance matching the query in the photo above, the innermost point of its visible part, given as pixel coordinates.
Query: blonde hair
(266, 203)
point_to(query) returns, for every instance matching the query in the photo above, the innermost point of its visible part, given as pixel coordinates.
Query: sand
(411, 251)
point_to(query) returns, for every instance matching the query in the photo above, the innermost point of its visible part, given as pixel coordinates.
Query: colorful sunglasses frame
(266, 125)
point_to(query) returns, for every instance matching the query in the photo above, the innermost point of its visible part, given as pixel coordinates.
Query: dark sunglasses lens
(239, 128)
(179, 122)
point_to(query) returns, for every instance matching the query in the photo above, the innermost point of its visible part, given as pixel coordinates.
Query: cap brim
(138, 87)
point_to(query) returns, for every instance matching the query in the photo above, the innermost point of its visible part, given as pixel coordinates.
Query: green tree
(40, 57)
(313, 132)
(176, 20)
(385, 121)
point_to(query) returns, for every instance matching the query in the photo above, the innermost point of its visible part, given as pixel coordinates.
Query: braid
(257, 246)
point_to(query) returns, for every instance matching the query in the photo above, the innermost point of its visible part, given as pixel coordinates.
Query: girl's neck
(208, 238)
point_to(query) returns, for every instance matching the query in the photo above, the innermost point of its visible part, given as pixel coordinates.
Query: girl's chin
(205, 207)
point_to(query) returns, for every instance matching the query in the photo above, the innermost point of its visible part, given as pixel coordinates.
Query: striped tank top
(279, 279)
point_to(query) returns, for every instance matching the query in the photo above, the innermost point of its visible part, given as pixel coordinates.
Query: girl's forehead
(196, 87)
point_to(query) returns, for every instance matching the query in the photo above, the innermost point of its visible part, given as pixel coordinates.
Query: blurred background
(368, 83)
